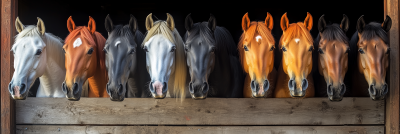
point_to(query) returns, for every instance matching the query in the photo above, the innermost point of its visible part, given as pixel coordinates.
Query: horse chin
(335, 98)
(198, 96)
(298, 94)
(156, 96)
(22, 97)
(257, 95)
(377, 98)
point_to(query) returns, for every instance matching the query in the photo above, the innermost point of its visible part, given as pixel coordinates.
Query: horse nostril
(372, 90)
(191, 89)
(120, 89)
(385, 89)
(266, 85)
(342, 89)
(253, 85)
(204, 87)
(304, 84)
(64, 87)
(292, 84)
(75, 88)
(330, 90)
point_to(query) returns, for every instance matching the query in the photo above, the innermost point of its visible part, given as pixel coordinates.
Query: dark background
(229, 14)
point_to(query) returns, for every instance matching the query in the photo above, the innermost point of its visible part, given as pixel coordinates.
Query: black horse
(126, 64)
(212, 59)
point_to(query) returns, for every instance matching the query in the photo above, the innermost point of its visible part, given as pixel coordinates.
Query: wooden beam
(392, 101)
(51, 129)
(8, 16)
(212, 111)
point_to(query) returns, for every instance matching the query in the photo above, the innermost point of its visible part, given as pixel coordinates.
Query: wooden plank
(212, 111)
(8, 15)
(392, 101)
(49, 129)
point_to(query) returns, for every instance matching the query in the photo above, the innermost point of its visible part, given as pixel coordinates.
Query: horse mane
(295, 30)
(96, 41)
(265, 33)
(161, 27)
(334, 32)
(126, 33)
(221, 37)
(53, 43)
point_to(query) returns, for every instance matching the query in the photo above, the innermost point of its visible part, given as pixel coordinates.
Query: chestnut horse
(256, 48)
(370, 59)
(294, 79)
(331, 61)
(84, 60)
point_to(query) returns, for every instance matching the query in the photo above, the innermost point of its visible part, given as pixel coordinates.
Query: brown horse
(256, 48)
(84, 60)
(332, 59)
(294, 79)
(370, 51)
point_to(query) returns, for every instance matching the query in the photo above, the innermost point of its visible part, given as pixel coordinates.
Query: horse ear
(308, 22)
(18, 25)
(109, 24)
(245, 22)
(321, 24)
(149, 21)
(284, 22)
(212, 22)
(360, 24)
(387, 24)
(133, 24)
(170, 22)
(188, 22)
(269, 21)
(40, 26)
(345, 23)
(91, 25)
(70, 24)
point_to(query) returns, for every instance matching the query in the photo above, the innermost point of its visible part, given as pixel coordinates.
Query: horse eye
(245, 48)
(320, 51)
(132, 51)
(212, 49)
(105, 49)
(145, 49)
(64, 51)
(38, 52)
(361, 51)
(272, 48)
(348, 50)
(284, 49)
(311, 48)
(186, 49)
(173, 49)
(388, 50)
(90, 51)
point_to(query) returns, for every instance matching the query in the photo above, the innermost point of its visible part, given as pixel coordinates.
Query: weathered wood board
(212, 111)
(51, 129)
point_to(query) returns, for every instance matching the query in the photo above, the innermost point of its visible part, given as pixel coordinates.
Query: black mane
(126, 32)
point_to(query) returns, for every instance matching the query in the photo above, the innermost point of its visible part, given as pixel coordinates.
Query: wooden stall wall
(8, 15)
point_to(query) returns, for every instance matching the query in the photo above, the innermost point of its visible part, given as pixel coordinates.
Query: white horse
(165, 59)
(37, 54)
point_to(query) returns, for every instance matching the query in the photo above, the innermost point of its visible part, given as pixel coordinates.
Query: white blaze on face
(117, 43)
(77, 42)
(297, 40)
(258, 38)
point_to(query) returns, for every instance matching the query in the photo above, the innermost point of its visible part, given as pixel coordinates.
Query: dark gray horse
(213, 61)
(126, 65)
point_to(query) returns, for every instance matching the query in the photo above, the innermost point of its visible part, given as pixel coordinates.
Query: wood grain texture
(392, 101)
(49, 129)
(8, 15)
(212, 111)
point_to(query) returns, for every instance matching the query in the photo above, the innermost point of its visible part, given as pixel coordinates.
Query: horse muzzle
(336, 93)
(158, 90)
(259, 89)
(73, 94)
(117, 93)
(198, 91)
(378, 93)
(295, 91)
(18, 91)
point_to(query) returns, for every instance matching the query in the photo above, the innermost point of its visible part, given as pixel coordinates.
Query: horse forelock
(295, 30)
(264, 32)
(125, 33)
